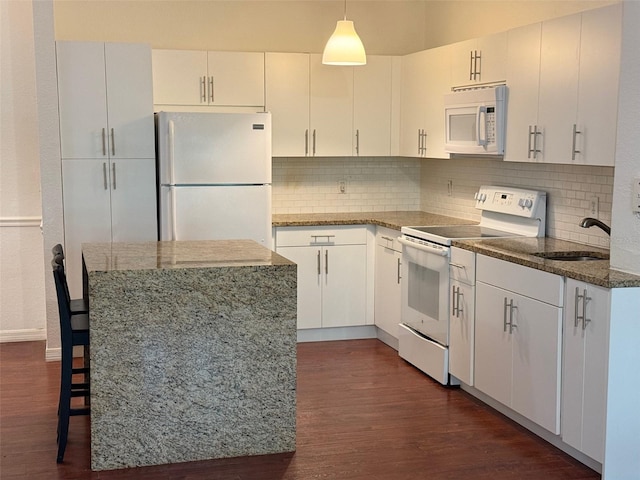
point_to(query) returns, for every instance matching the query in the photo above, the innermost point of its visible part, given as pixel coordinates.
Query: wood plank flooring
(363, 413)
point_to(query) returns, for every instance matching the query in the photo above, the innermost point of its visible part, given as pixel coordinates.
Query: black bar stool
(74, 330)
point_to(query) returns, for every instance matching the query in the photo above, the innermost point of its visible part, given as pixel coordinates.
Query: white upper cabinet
(372, 89)
(105, 100)
(323, 110)
(523, 80)
(558, 97)
(287, 98)
(479, 60)
(600, 42)
(331, 106)
(424, 82)
(200, 78)
(563, 89)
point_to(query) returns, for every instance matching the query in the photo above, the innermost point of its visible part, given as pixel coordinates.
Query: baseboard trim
(24, 335)
(53, 354)
(336, 333)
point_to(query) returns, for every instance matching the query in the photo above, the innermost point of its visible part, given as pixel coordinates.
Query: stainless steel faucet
(591, 222)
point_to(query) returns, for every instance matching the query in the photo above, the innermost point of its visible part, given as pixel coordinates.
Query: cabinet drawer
(532, 283)
(388, 238)
(330, 235)
(462, 265)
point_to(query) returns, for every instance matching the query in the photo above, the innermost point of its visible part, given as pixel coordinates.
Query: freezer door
(214, 148)
(216, 213)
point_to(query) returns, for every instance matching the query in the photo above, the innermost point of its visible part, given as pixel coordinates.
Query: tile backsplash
(312, 185)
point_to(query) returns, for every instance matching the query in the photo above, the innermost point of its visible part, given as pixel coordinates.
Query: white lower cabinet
(518, 339)
(387, 297)
(332, 273)
(462, 314)
(584, 370)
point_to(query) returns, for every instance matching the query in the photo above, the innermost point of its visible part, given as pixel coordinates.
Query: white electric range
(505, 212)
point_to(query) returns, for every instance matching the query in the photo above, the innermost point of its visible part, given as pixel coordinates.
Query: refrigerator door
(216, 213)
(214, 148)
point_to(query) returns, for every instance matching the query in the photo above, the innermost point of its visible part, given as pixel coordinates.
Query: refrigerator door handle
(171, 144)
(172, 217)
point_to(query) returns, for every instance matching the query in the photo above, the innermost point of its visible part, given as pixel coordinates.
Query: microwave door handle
(481, 126)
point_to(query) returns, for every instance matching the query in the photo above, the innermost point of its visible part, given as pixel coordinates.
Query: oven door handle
(443, 252)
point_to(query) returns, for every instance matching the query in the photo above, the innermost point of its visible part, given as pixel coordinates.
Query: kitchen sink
(572, 256)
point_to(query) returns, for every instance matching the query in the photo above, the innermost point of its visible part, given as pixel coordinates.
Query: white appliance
(214, 176)
(424, 332)
(475, 121)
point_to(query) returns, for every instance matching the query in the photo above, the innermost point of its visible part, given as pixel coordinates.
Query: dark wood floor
(363, 413)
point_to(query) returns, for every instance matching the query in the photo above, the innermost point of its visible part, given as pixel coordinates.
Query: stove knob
(528, 203)
(521, 202)
(475, 196)
(483, 197)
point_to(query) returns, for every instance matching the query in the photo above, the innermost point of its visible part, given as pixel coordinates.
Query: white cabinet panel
(331, 106)
(462, 332)
(413, 102)
(387, 294)
(308, 260)
(372, 107)
(179, 77)
(344, 291)
(479, 60)
(237, 78)
(523, 75)
(133, 200)
(584, 371)
(287, 99)
(600, 42)
(82, 94)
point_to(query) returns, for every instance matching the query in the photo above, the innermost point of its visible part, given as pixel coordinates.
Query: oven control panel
(512, 201)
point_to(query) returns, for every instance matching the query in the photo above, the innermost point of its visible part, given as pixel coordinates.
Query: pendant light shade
(344, 46)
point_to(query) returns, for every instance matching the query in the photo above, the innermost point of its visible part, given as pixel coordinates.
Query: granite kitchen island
(193, 351)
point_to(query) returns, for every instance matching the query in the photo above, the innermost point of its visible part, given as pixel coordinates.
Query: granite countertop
(521, 251)
(104, 257)
(394, 220)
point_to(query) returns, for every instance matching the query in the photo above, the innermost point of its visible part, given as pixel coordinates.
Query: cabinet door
(344, 291)
(584, 374)
(558, 98)
(129, 100)
(287, 98)
(133, 200)
(82, 99)
(461, 331)
(436, 87)
(536, 361)
(493, 345)
(308, 260)
(372, 107)
(87, 212)
(179, 77)
(331, 106)
(413, 102)
(462, 62)
(237, 78)
(387, 290)
(523, 69)
(479, 60)
(598, 85)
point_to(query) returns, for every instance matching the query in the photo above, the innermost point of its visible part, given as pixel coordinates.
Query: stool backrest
(64, 305)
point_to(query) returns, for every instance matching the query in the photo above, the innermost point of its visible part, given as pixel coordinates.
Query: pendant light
(344, 46)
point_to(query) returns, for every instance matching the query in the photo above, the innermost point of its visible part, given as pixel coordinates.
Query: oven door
(425, 289)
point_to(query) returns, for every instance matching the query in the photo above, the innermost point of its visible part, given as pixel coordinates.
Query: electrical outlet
(635, 196)
(342, 186)
(594, 206)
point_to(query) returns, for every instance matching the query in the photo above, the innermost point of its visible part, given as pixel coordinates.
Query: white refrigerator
(214, 176)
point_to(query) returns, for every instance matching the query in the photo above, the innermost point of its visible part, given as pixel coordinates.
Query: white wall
(22, 306)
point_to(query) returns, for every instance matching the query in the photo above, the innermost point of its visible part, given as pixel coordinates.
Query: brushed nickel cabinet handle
(576, 132)
(326, 262)
(113, 143)
(104, 175)
(104, 142)
(319, 271)
(203, 89)
(306, 142)
(113, 180)
(399, 270)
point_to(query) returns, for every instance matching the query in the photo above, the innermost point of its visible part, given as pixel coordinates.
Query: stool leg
(64, 406)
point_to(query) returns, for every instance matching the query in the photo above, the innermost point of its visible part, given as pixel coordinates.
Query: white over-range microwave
(475, 121)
